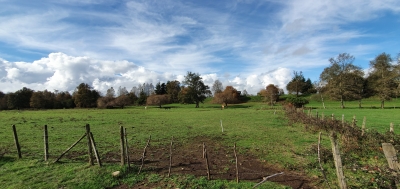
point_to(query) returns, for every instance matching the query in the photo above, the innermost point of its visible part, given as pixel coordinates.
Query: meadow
(259, 131)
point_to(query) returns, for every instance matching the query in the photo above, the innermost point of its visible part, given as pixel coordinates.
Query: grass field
(256, 129)
(376, 118)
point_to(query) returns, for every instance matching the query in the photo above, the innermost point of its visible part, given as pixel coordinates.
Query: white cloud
(65, 73)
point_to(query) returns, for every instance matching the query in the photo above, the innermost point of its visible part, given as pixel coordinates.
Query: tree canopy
(229, 96)
(196, 91)
(342, 78)
(383, 77)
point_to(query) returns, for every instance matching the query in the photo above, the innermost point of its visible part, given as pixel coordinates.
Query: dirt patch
(188, 159)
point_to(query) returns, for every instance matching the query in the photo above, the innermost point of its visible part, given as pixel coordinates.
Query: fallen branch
(170, 157)
(144, 154)
(266, 178)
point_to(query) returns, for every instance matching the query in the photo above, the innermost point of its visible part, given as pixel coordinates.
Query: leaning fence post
(96, 153)
(16, 141)
(90, 153)
(338, 160)
(46, 144)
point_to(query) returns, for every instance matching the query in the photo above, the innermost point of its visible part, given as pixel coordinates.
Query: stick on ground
(170, 157)
(144, 154)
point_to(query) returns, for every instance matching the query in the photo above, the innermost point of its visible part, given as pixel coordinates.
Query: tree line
(341, 81)
(344, 81)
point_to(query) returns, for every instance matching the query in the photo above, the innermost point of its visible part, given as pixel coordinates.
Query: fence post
(391, 128)
(121, 131)
(363, 126)
(96, 153)
(16, 141)
(90, 153)
(338, 160)
(46, 144)
(127, 149)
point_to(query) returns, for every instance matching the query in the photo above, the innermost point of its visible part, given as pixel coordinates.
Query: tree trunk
(197, 104)
(359, 104)
(383, 104)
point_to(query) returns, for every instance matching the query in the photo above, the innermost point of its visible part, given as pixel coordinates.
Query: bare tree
(217, 87)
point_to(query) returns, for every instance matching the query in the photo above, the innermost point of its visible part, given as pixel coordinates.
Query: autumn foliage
(229, 96)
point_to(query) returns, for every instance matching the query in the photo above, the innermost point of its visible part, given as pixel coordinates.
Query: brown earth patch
(188, 159)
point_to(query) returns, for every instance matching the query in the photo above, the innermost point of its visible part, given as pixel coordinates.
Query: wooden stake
(170, 157)
(144, 154)
(236, 162)
(126, 149)
(363, 126)
(204, 150)
(391, 157)
(391, 128)
(46, 143)
(322, 116)
(70, 148)
(122, 142)
(208, 167)
(338, 160)
(353, 123)
(319, 160)
(333, 117)
(222, 126)
(96, 153)
(90, 153)
(16, 141)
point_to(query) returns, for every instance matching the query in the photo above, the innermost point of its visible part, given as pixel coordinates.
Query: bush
(298, 102)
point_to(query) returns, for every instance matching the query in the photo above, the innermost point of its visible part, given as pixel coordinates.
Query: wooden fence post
(16, 141)
(46, 143)
(354, 122)
(391, 157)
(236, 163)
(338, 160)
(90, 153)
(126, 149)
(333, 117)
(391, 128)
(342, 120)
(96, 153)
(122, 141)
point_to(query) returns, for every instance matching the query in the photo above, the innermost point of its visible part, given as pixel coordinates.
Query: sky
(247, 44)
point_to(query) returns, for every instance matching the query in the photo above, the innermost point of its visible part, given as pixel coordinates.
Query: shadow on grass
(4, 160)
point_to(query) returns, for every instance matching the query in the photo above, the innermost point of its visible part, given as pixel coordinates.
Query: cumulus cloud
(62, 72)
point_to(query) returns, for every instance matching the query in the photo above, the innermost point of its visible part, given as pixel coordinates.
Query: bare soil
(188, 159)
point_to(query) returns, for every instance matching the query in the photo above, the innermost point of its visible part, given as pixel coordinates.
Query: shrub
(298, 102)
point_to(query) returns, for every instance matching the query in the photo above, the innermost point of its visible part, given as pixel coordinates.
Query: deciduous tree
(270, 93)
(217, 87)
(340, 78)
(197, 91)
(173, 88)
(229, 96)
(383, 78)
(158, 100)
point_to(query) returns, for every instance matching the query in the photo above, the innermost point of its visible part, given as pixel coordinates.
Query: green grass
(253, 126)
(257, 129)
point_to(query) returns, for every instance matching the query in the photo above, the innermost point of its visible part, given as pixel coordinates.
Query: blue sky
(56, 45)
